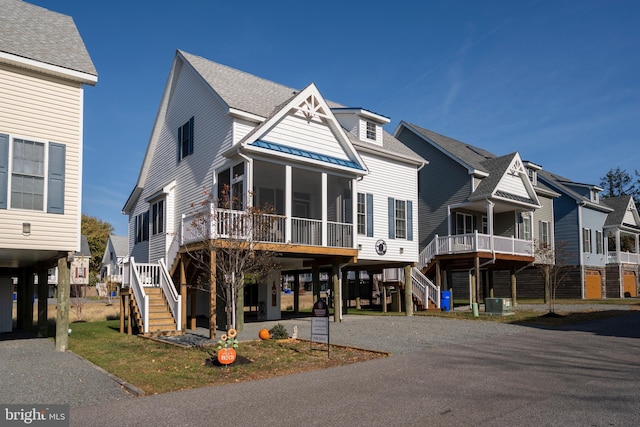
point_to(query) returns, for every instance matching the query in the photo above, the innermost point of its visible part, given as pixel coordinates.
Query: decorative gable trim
(310, 106)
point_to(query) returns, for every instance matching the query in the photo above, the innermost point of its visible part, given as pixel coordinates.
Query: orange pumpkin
(226, 355)
(264, 334)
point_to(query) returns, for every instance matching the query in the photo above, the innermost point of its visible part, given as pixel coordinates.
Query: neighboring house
(622, 231)
(113, 259)
(579, 217)
(44, 66)
(480, 216)
(344, 191)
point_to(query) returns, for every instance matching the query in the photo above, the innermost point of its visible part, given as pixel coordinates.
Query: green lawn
(157, 367)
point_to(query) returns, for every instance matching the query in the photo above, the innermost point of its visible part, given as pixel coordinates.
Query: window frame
(400, 219)
(599, 242)
(544, 234)
(142, 227)
(587, 244)
(37, 200)
(185, 139)
(158, 217)
(371, 130)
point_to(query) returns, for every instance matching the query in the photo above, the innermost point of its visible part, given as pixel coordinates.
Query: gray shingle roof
(120, 245)
(561, 184)
(249, 93)
(496, 167)
(41, 35)
(469, 154)
(619, 205)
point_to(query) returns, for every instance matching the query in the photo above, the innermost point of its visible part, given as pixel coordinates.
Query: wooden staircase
(161, 322)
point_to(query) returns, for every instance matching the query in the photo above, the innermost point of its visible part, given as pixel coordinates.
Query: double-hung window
(586, 240)
(544, 234)
(32, 175)
(599, 242)
(400, 219)
(365, 214)
(371, 131)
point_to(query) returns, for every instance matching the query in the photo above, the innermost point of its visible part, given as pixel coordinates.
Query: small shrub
(279, 332)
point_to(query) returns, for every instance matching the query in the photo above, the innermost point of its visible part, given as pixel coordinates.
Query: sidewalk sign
(320, 323)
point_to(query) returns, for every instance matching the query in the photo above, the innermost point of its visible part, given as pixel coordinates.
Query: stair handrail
(174, 300)
(428, 253)
(142, 300)
(424, 288)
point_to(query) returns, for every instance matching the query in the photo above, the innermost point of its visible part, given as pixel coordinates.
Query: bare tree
(553, 263)
(235, 244)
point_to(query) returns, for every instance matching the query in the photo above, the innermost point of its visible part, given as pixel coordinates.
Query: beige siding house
(44, 66)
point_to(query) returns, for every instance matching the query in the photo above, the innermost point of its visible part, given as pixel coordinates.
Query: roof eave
(43, 67)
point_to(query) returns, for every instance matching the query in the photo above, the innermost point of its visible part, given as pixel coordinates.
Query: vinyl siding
(593, 220)
(565, 216)
(513, 184)
(404, 179)
(442, 182)
(194, 173)
(314, 136)
(43, 109)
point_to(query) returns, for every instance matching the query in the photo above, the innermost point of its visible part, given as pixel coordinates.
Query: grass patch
(159, 368)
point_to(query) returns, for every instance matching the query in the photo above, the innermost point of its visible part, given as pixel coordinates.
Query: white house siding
(43, 109)
(194, 173)
(388, 178)
(314, 136)
(241, 128)
(363, 133)
(513, 184)
(629, 218)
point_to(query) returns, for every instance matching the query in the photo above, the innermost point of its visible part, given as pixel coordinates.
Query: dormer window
(594, 195)
(371, 131)
(533, 176)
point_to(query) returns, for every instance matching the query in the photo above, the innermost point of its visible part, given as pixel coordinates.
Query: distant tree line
(619, 182)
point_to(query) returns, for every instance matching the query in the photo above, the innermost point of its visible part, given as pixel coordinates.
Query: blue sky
(557, 81)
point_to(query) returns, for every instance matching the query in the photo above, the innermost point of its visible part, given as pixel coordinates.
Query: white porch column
(288, 206)
(324, 208)
(618, 244)
(354, 211)
(490, 205)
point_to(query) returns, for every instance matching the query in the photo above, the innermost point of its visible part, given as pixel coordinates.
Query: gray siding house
(480, 215)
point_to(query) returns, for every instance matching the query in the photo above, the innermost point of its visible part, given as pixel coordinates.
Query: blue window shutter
(392, 218)
(369, 211)
(409, 220)
(191, 135)
(55, 199)
(4, 170)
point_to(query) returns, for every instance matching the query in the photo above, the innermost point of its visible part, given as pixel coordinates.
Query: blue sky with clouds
(556, 80)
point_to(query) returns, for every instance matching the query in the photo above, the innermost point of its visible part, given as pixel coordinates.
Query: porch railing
(474, 242)
(146, 275)
(623, 258)
(213, 223)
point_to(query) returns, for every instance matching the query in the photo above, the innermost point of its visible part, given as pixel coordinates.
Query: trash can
(445, 300)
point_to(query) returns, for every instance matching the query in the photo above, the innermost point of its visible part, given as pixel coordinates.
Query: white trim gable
(631, 216)
(515, 181)
(305, 130)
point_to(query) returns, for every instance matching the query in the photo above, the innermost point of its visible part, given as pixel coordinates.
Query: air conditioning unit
(498, 306)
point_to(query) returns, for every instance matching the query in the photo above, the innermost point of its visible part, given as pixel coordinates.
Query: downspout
(581, 249)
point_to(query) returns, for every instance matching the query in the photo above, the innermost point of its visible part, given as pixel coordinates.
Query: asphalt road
(581, 375)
